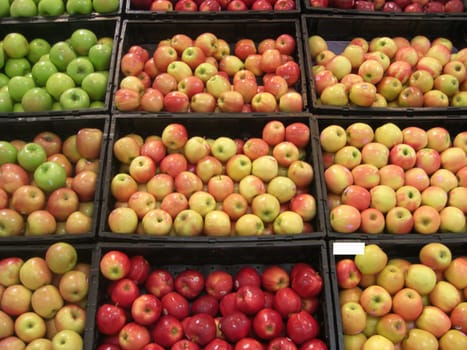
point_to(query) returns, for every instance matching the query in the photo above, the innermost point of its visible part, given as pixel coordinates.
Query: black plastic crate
(394, 249)
(454, 125)
(60, 30)
(133, 12)
(26, 129)
(87, 254)
(237, 126)
(66, 15)
(230, 258)
(339, 30)
(331, 9)
(148, 33)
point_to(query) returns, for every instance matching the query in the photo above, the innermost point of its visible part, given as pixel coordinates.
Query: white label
(348, 248)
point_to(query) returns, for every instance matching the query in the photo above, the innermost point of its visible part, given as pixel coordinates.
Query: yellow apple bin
(393, 178)
(385, 66)
(389, 294)
(48, 295)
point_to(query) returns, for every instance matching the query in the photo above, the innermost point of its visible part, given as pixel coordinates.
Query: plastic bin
(148, 33)
(394, 249)
(230, 258)
(63, 126)
(454, 125)
(60, 30)
(87, 254)
(339, 30)
(237, 126)
(133, 12)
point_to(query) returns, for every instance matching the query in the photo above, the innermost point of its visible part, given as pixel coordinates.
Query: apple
(407, 303)
(248, 225)
(376, 301)
(372, 261)
(353, 318)
(367, 176)
(16, 300)
(362, 94)
(454, 271)
(29, 326)
(348, 275)
(345, 218)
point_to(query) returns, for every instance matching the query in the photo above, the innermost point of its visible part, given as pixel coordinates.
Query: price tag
(348, 248)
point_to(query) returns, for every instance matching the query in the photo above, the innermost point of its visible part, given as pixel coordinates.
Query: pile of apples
(173, 184)
(396, 181)
(390, 72)
(213, 5)
(43, 300)
(48, 186)
(38, 76)
(393, 303)
(204, 75)
(46, 8)
(154, 308)
(414, 6)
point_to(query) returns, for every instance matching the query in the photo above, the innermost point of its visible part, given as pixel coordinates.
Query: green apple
(17, 87)
(50, 8)
(37, 48)
(15, 45)
(75, 98)
(105, 6)
(79, 68)
(36, 100)
(18, 108)
(82, 40)
(31, 156)
(100, 55)
(4, 9)
(41, 72)
(95, 84)
(58, 83)
(49, 176)
(8, 152)
(3, 80)
(107, 40)
(23, 8)
(61, 53)
(17, 66)
(6, 103)
(2, 52)
(79, 7)
(56, 106)
(97, 104)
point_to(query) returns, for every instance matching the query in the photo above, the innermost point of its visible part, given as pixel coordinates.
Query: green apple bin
(132, 26)
(60, 29)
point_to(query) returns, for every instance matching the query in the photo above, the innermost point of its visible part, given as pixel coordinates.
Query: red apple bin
(235, 126)
(229, 257)
(133, 11)
(64, 127)
(148, 33)
(408, 250)
(87, 254)
(338, 30)
(349, 8)
(453, 125)
(60, 30)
